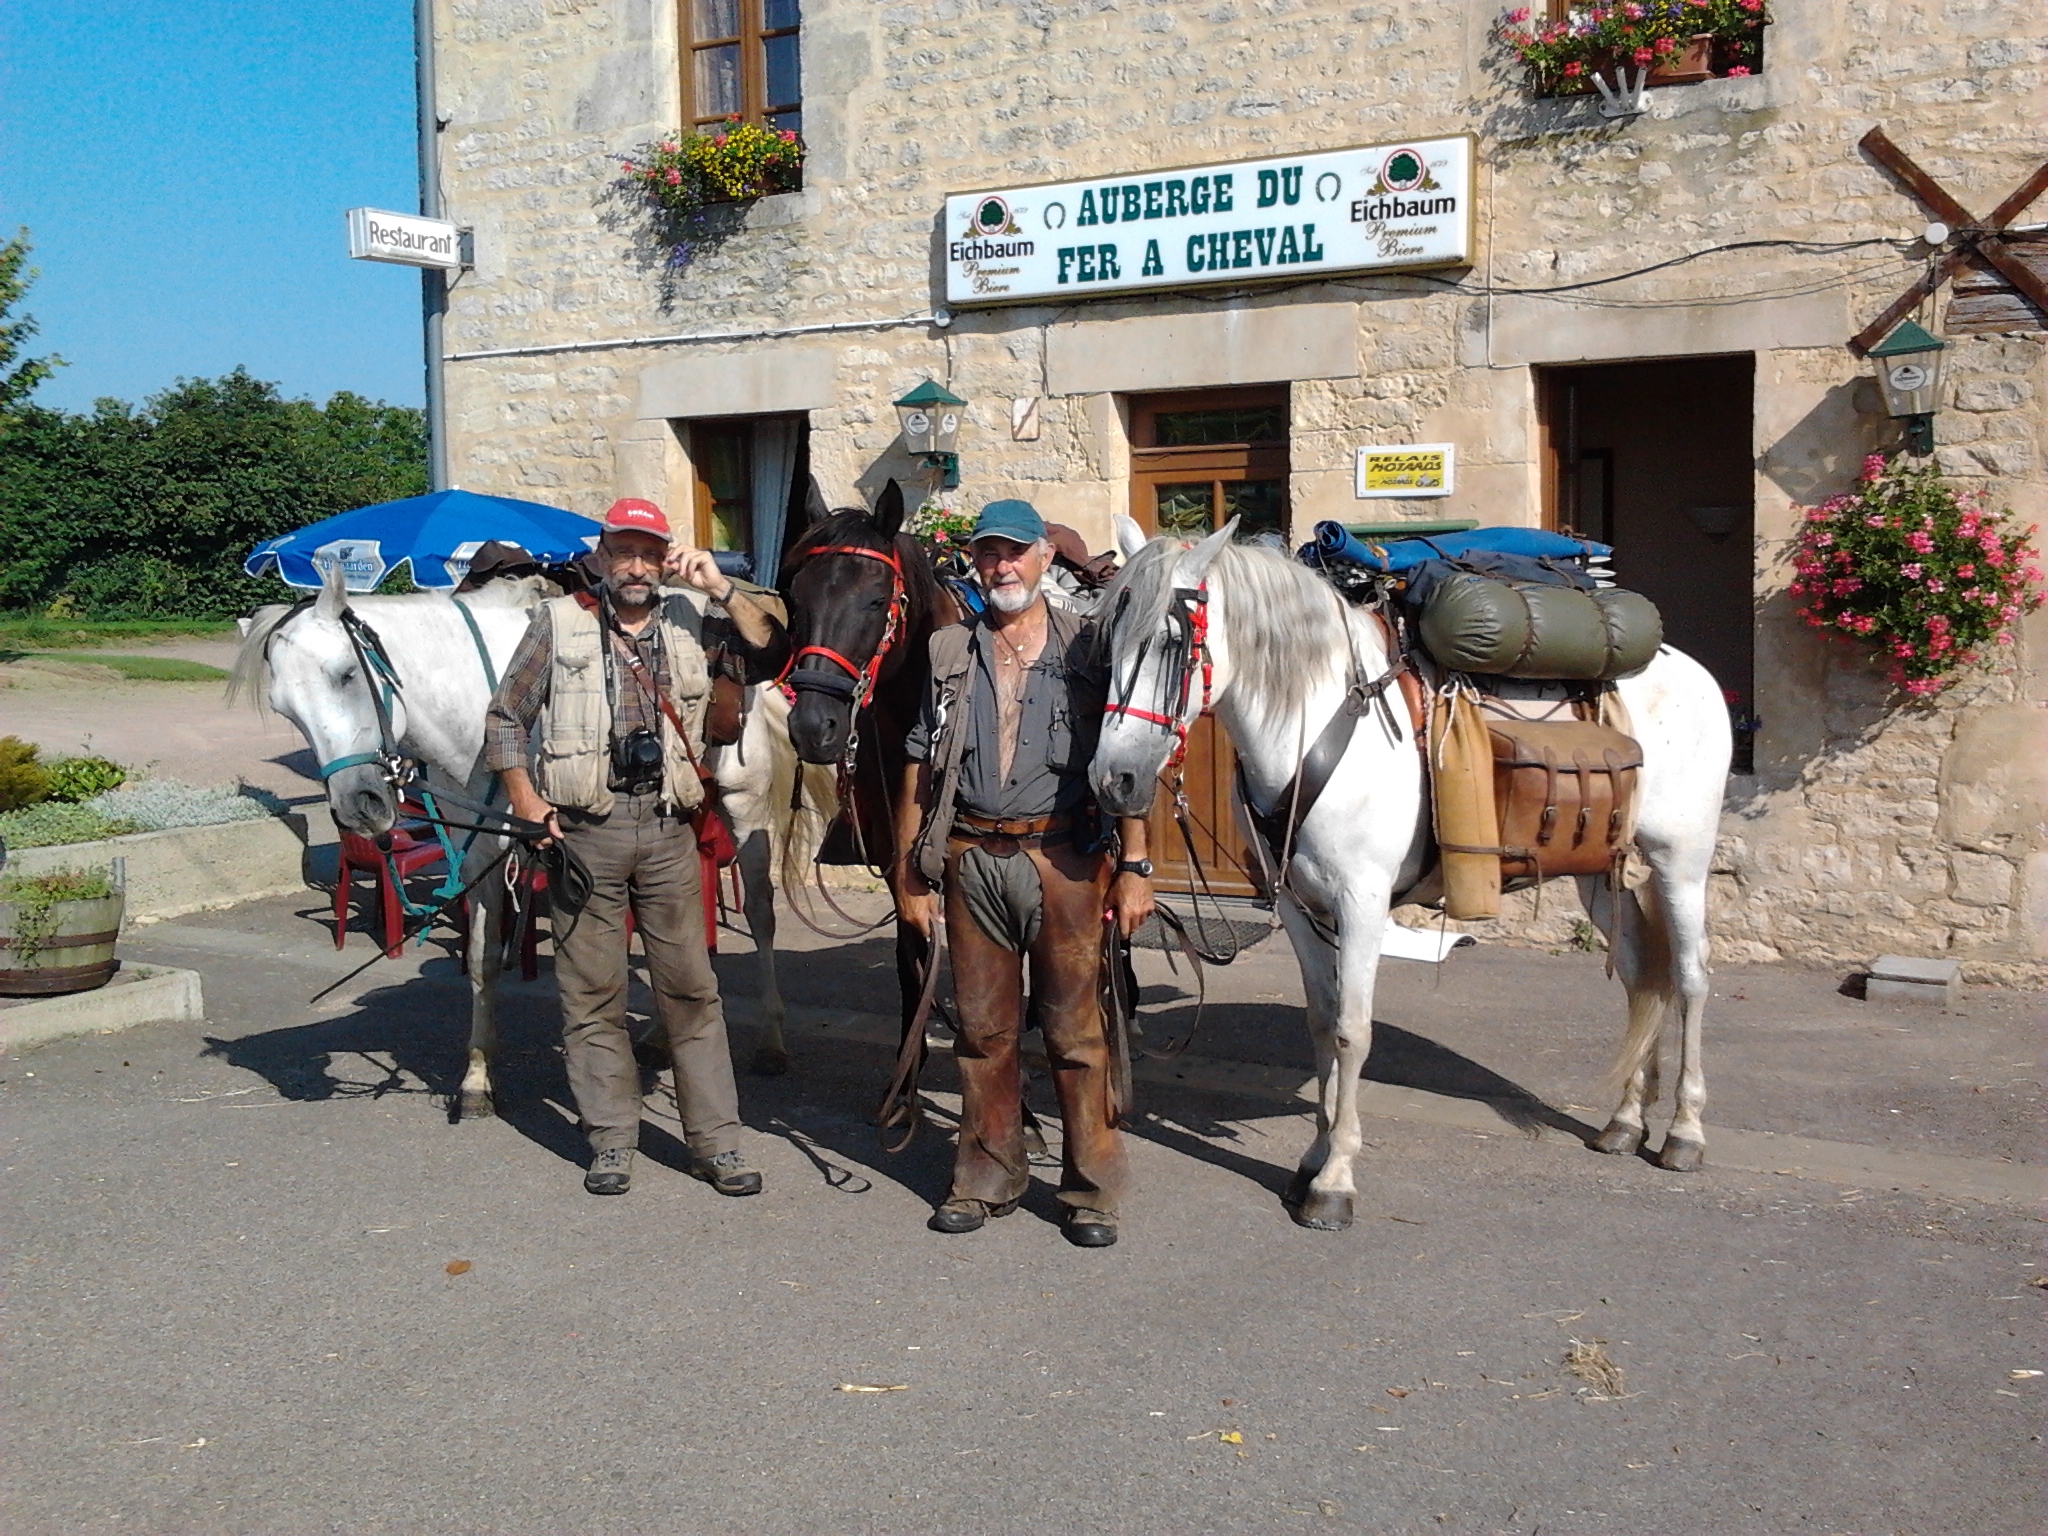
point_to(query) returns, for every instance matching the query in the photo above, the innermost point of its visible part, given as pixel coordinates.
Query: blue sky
(183, 167)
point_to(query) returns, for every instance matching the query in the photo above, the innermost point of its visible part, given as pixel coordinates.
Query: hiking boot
(611, 1172)
(967, 1215)
(727, 1173)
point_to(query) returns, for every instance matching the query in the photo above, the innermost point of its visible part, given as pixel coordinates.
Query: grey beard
(617, 586)
(1014, 599)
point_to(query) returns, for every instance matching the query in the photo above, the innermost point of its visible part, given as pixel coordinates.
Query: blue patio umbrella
(437, 533)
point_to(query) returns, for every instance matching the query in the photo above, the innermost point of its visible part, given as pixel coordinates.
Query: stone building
(1640, 329)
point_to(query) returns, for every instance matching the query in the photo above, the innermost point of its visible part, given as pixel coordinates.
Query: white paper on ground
(1429, 944)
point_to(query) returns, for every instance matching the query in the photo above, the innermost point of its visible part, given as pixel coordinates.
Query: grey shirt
(1056, 733)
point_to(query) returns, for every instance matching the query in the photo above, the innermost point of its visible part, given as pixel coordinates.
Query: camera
(636, 761)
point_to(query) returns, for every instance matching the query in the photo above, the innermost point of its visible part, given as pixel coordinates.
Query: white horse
(1282, 644)
(442, 677)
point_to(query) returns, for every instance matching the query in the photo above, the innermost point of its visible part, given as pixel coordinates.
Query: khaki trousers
(988, 983)
(639, 855)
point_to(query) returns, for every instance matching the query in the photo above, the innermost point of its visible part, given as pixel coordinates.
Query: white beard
(1013, 599)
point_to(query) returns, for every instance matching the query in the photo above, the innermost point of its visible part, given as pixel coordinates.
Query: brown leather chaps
(988, 981)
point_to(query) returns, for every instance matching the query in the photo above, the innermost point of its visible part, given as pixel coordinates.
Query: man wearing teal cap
(1004, 836)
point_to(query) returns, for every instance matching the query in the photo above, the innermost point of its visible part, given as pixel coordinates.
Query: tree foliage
(148, 512)
(18, 375)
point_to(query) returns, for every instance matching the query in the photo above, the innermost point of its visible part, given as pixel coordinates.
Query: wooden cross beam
(1986, 238)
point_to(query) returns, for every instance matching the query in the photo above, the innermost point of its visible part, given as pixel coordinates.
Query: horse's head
(848, 597)
(1156, 632)
(317, 680)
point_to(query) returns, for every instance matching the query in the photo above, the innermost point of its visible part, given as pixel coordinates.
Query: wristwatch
(1139, 867)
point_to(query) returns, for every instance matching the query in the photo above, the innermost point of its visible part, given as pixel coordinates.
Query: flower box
(1679, 42)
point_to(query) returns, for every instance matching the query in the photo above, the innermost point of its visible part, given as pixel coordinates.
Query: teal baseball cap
(1017, 520)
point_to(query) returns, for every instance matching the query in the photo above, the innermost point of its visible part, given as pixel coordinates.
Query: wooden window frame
(752, 39)
(701, 431)
(1152, 465)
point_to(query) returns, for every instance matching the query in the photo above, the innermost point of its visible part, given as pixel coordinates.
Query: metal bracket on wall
(1625, 98)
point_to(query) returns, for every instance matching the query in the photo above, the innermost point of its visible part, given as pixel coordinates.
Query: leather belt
(1003, 836)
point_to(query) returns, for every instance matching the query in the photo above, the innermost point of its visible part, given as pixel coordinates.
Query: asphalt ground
(238, 1301)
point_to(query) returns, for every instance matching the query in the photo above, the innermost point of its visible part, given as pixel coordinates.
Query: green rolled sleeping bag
(1477, 623)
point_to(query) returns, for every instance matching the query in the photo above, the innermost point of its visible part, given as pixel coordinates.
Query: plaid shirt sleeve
(508, 726)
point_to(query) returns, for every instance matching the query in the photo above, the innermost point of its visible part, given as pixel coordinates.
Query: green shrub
(23, 780)
(54, 822)
(74, 779)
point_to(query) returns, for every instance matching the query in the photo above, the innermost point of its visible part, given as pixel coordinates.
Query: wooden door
(1198, 460)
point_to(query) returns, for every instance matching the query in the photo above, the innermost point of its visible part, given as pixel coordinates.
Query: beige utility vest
(573, 763)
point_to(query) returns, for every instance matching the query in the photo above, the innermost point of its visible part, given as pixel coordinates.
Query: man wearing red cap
(617, 683)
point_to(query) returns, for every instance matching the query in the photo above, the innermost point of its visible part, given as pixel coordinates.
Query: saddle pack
(1532, 766)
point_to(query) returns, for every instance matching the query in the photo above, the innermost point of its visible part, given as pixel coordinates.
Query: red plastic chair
(408, 855)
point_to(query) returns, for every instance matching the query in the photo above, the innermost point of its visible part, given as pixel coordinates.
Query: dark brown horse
(863, 602)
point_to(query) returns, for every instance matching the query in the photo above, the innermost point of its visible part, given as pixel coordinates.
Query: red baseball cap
(633, 515)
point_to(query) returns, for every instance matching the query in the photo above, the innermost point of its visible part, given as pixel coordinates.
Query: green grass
(21, 631)
(137, 669)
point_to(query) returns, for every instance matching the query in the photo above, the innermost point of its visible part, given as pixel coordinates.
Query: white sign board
(361, 561)
(404, 238)
(1385, 207)
(1407, 469)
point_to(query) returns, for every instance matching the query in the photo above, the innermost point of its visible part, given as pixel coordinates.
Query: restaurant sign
(1385, 207)
(1406, 469)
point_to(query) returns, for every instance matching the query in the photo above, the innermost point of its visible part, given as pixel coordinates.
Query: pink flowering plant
(941, 526)
(1563, 55)
(687, 172)
(1926, 573)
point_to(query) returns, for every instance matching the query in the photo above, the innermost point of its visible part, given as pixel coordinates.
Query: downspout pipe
(433, 281)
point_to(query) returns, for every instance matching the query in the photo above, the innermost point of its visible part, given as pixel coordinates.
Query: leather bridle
(858, 686)
(1187, 615)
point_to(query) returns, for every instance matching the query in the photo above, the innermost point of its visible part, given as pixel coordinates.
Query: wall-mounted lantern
(1909, 372)
(930, 418)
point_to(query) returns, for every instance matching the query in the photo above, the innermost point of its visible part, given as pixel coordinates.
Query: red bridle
(1196, 608)
(864, 677)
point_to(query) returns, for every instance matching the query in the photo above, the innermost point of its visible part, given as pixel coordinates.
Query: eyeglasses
(986, 554)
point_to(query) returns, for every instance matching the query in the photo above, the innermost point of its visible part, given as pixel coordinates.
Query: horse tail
(1643, 953)
(805, 816)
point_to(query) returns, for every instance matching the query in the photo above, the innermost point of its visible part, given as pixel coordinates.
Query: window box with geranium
(1676, 41)
(685, 174)
(1923, 572)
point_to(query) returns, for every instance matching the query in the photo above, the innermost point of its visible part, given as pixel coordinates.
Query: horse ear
(815, 510)
(332, 602)
(888, 516)
(1130, 538)
(1193, 569)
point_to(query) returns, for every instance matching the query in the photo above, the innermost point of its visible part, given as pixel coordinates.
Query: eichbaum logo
(1403, 171)
(991, 216)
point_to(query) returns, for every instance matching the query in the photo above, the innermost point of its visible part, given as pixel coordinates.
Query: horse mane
(252, 656)
(1288, 628)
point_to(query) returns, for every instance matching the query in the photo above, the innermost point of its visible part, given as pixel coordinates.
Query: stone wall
(1867, 826)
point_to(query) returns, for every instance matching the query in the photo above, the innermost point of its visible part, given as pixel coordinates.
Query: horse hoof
(1619, 1139)
(1324, 1213)
(475, 1106)
(771, 1061)
(1681, 1156)
(1297, 1188)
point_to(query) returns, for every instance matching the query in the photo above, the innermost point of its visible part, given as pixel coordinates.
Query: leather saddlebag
(1565, 791)
(727, 715)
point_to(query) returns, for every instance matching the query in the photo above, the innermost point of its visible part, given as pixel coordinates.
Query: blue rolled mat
(1335, 542)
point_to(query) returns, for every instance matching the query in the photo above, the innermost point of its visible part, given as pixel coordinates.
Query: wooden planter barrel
(77, 956)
